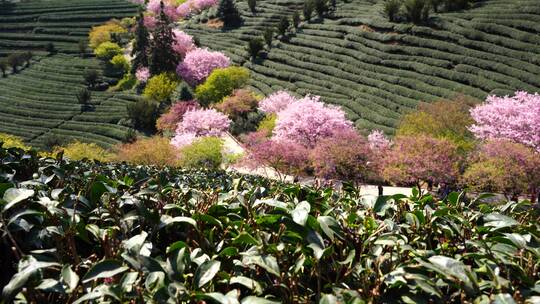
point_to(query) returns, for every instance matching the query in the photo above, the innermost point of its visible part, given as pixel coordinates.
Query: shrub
(84, 96)
(345, 156)
(52, 141)
(169, 121)
(276, 102)
(228, 13)
(255, 46)
(202, 153)
(12, 141)
(90, 77)
(308, 120)
(102, 33)
(221, 83)
(199, 63)
(320, 7)
(267, 125)
(126, 83)
(14, 60)
(160, 87)
(415, 159)
(107, 50)
(26, 57)
(155, 150)
(119, 62)
(516, 118)
(78, 150)
(143, 113)
(504, 166)
(50, 48)
(391, 9)
(240, 102)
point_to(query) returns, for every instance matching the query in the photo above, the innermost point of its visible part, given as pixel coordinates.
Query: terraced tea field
(378, 70)
(40, 101)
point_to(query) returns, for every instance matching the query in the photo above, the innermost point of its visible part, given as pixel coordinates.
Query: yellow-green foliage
(107, 50)
(203, 153)
(102, 33)
(221, 83)
(78, 150)
(127, 82)
(11, 141)
(161, 87)
(155, 150)
(267, 125)
(120, 62)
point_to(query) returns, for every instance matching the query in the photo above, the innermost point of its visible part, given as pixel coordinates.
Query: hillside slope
(377, 70)
(40, 101)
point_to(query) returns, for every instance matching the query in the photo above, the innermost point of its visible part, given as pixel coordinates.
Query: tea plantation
(40, 101)
(377, 70)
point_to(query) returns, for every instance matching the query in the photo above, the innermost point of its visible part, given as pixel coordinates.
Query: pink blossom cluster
(516, 118)
(308, 120)
(169, 8)
(199, 63)
(169, 121)
(378, 141)
(276, 102)
(142, 74)
(150, 22)
(191, 7)
(183, 43)
(200, 123)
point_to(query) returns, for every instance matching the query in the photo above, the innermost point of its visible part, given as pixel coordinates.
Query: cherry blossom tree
(421, 158)
(501, 165)
(142, 74)
(199, 63)
(378, 141)
(345, 156)
(169, 121)
(183, 43)
(516, 118)
(200, 123)
(308, 120)
(276, 102)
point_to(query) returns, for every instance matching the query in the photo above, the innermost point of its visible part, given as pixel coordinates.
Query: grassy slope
(41, 100)
(378, 70)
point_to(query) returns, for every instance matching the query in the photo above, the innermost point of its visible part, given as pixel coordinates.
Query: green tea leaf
(206, 272)
(104, 269)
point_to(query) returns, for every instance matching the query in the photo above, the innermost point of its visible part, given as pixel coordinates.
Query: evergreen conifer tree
(140, 46)
(228, 13)
(162, 56)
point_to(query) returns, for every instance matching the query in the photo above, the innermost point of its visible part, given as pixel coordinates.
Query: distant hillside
(378, 70)
(40, 101)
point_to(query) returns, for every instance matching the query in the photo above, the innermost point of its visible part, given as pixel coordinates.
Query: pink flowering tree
(276, 102)
(199, 63)
(283, 157)
(183, 43)
(516, 118)
(421, 158)
(200, 123)
(504, 166)
(378, 141)
(150, 22)
(142, 74)
(169, 121)
(308, 120)
(345, 156)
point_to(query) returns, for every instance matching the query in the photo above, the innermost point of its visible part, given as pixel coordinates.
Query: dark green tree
(321, 7)
(3, 66)
(50, 48)
(268, 36)
(255, 46)
(83, 45)
(228, 13)
(417, 11)
(391, 9)
(139, 53)
(252, 6)
(163, 57)
(90, 77)
(296, 19)
(308, 9)
(14, 61)
(283, 26)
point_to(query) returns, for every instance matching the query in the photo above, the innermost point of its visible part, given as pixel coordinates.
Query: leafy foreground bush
(124, 234)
